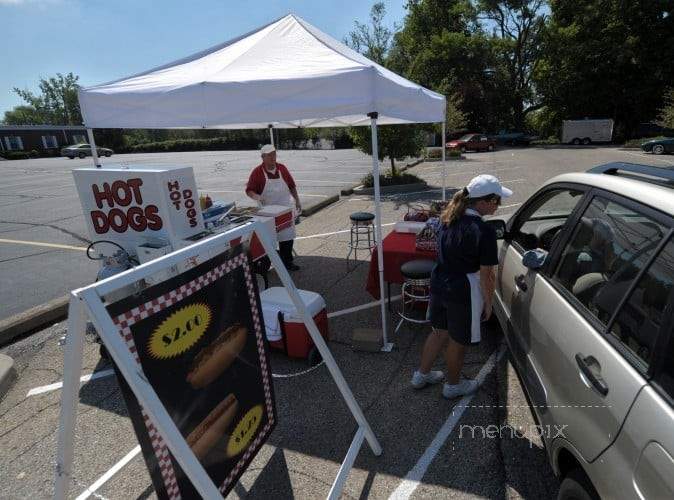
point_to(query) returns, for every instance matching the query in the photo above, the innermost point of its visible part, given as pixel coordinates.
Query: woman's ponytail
(456, 208)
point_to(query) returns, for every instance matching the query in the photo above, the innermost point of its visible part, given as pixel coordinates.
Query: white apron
(276, 192)
(476, 305)
(476, 299)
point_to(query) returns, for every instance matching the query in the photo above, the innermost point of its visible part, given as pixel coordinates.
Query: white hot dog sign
(131, 205)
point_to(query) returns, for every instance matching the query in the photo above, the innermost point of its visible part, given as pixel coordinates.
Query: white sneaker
(420, 380)
(464, 387)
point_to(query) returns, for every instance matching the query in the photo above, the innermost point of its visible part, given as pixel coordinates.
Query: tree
(518, 25)
(455, 119)
(666, 118)
(442, 47)
(23, 115)
(372, 41)
(396, 142)
(57, 103)
(606, 59)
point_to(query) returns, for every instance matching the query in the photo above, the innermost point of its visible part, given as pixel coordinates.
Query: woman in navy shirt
(462, 283)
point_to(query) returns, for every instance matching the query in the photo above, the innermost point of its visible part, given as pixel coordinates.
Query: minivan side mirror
(499, 226)
(534, 259)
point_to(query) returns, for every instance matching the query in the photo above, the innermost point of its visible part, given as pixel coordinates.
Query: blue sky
(104, 40)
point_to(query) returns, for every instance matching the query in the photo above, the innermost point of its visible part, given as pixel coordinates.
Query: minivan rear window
(610, 245)
(639, 320)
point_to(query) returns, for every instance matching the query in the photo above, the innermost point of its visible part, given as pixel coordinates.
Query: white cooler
(298, 342)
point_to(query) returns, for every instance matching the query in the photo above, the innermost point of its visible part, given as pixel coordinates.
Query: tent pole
(444, 165)
(271, 134)
(387, 347)
(94, 151)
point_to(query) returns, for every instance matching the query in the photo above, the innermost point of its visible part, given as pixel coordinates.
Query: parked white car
(589, 322)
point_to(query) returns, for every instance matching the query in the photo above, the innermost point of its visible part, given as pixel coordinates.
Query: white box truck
(587, 131)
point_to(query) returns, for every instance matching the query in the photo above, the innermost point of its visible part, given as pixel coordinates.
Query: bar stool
(416, 291)
(362, 226)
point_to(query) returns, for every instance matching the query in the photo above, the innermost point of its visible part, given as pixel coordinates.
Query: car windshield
(467, 137)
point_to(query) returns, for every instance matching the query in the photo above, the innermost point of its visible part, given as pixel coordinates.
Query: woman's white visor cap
(484, 185)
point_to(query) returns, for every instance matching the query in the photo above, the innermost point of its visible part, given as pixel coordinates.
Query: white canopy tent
(287, 74)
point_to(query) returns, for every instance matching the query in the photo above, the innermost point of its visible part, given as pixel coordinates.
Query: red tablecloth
(398, 249)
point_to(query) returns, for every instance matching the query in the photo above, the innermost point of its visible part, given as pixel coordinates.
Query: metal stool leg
(350, 247)
(411, 298)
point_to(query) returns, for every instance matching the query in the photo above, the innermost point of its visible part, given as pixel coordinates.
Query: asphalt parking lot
(426, 454)
(43, 234)
(42, 229)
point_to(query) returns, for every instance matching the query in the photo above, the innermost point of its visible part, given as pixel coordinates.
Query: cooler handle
(282, 327)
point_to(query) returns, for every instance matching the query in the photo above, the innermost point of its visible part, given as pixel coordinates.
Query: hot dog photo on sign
(200, 343)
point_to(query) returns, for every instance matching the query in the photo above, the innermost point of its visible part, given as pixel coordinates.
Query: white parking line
(321, 235)
(41, 244)
(416, 474)
(241, 191)
(108, 475)
(58, 385)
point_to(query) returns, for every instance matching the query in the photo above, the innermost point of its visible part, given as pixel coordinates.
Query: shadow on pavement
(315, 423)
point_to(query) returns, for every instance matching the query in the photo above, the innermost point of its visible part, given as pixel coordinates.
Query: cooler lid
(278, 298)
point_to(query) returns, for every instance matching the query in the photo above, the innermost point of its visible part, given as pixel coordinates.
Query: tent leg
(444, 165)
(387, 346)
(319, 341)
(72, 367)
(94, 151)
(271, 134)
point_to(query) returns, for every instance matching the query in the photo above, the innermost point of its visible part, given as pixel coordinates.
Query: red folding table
(398, 248)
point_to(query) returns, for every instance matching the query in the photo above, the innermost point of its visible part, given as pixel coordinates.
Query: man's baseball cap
(484, 185)
(266, 149)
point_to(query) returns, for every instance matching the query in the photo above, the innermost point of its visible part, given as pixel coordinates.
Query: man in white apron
(270, 183)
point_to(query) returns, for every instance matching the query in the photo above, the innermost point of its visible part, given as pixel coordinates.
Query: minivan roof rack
(635, 170)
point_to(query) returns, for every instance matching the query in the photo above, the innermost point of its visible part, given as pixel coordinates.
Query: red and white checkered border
(125, 320)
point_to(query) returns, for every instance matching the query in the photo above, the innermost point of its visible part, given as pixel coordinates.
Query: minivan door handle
(521, 283)
(596, 381)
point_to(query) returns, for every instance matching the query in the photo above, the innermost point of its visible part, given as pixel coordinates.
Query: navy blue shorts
(453, 316)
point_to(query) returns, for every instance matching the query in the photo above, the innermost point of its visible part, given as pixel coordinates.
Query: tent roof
(287, 73)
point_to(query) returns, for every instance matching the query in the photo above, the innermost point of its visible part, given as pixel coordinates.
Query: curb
(33, 319)
(404, 188)
(7, 374)
(320, 206)
(355, 187)
(448, 158)
(413, 164)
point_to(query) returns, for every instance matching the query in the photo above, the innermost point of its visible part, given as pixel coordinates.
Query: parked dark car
(513, 138)
(472, 142)
(659, 146)
(82, 150)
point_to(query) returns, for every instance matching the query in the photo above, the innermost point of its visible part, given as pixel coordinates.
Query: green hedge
(436, 154)
(636, 143)
(550, 141)
(21, 155)
(215, 144)
(391, 180)
(341, 141)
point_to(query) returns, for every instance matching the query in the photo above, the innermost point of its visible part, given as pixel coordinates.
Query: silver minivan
(585, 298)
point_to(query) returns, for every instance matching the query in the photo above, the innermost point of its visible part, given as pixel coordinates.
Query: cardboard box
(367, 339)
